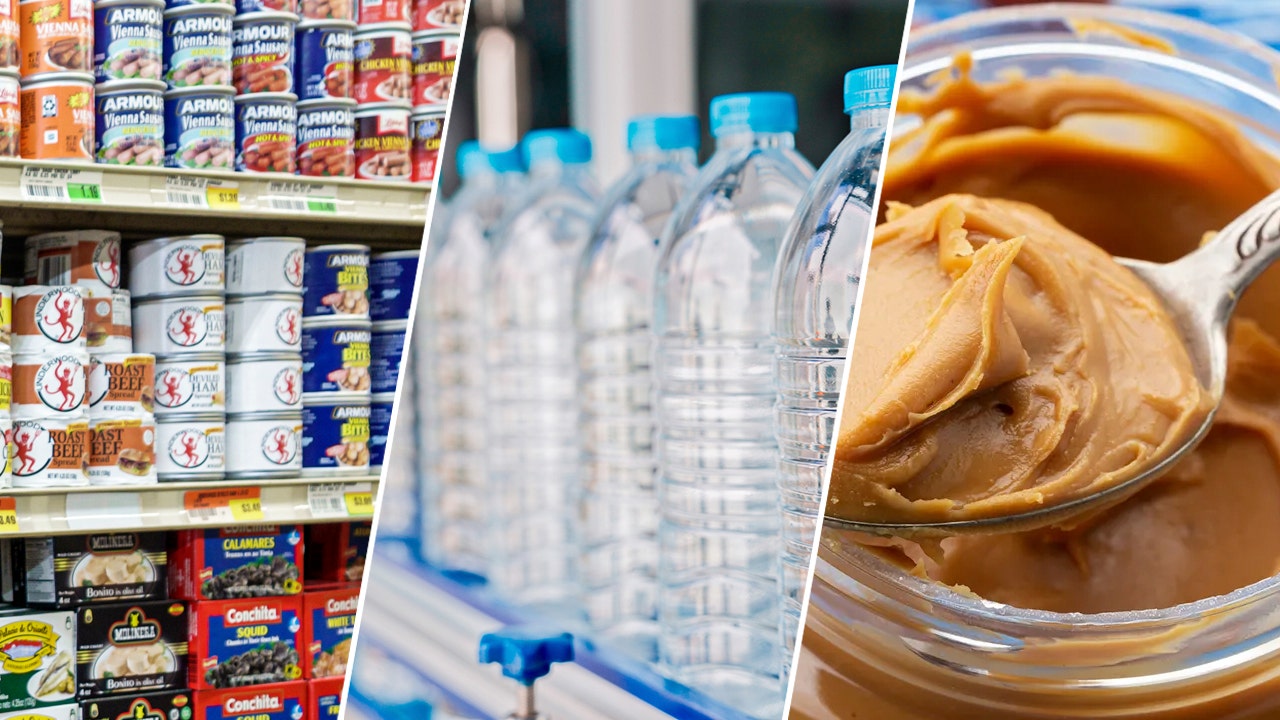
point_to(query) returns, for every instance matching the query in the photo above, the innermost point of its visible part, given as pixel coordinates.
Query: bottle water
(449, 353)
(614, 311)
(816, 286)
(713, 369)
(532, 384)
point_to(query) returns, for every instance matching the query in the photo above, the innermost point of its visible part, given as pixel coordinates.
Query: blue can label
(388, 350)
(391, 282)
(379, 432)
(197, 49)
(130, 127)
(266, 132)
(336, 359)
(262, 56)
(199, 131)
(325, 61)
(336, 283)
(336, 436)
(127, 42)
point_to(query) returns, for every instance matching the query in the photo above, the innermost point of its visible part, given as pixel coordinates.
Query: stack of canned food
(391, 279)
(435, 53)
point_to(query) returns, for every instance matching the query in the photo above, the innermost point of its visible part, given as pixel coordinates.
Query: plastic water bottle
(532, 383)
(614, 311)
(718, 487)
(449, 356)
(816, 286)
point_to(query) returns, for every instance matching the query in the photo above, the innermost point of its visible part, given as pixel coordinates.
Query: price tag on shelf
(301, 197)
(202, 193)
(337, 500)
(230, 505)
(8, 515)
(61, 184)
(360, 503)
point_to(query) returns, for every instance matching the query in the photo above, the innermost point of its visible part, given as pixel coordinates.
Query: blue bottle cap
(472, 158)
(526, 653)
(869, 87)
(766, 112)
(563, 145)
(663, 132)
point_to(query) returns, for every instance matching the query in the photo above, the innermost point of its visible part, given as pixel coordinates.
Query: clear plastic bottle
(449, 356)
(714, 396)
(816, 286)
(532, 377)
(614, 311)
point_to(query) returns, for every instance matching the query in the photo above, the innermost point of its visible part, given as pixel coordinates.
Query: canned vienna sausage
(6, 385)
(264, 445)
(377, 12)
(266, 132)
(57, 117)
(190, 447)
(262, 52)
(122, 385)
(336, 357)
(265, 265)
(434, 57)
(438, 14)
(127, 40)
(122, 451)
(166, 267)
(325, 60)
(336, 282)
(56, 35)
(386, 352)
(6, 317)
(335, 437)
(66, 258)
(328, 10)
(197, 45)
(108, 319)
(180, 326)
(50, 452)
(426, 132)
(380, 427)
(200, 128)
(264, 323)
(382, 143)
(48, 319)
(10, 112)
(187, 385)
(130, 128)
(50, 386)
(10, 36)
(384, 63)
(265, 383)
(244, 7)
(327, 138)
(391, 279)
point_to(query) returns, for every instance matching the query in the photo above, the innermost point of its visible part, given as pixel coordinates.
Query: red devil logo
(188, 451)
(187, 327)
(171, 392)
(23, 444)
(64, 376)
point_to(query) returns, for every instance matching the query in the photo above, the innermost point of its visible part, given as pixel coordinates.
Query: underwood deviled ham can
(180, 326)
(190, 385)
(265, 265)
(264, 323)
(267, 383)
(170, 266)
(264, 445)
(191, 447)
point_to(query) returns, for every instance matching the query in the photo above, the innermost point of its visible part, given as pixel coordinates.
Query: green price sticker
(84, 192)
(322, 205)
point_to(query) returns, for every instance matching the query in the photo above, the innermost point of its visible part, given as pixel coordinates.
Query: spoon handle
(1243, 249)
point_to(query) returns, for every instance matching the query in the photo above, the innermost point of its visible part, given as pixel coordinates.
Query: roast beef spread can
(50, 452)
(122, 451)
(122, 384)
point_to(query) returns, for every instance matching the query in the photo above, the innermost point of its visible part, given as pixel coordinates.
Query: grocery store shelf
(42, 196)
(64, 511)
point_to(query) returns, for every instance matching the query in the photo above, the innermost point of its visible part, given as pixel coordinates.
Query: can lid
(56, 78)
(331, 321)
(371, 109)
(374, 29)
(265, 16)
(342, 247)
(9, 72)
(25, 290)
(192, 358)
(331, 399)
(123, 86)
(439, 34)
(292, 415)
(110, 356)
(197, 90)
(326, 103)
(114, 3)
(213, 8)
(429, 111)
(180, 298)
(265, 239)
(271, 97)
(184, 418)
(174, 238)
(397, 255)
(69, 235)
(383, 398)
(140, 419)
(336, 23)
(391, 326)
(242, 299)
(247, 358)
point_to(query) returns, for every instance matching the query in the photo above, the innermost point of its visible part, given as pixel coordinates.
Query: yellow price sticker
(8, 515)
(223, 198)
(246, 509)
(359, 503)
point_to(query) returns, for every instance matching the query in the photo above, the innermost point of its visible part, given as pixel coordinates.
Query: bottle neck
(876, 117)
(660, 156)
(558, 171)
(748, 138)
(481, 180)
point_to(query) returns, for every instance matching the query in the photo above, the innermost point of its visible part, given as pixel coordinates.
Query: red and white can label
(187, 386)
(50, 453)
(48, 319)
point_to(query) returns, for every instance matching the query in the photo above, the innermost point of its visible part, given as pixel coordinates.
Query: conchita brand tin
(48, 319)
(180, 326)
(57, 117)
(172, 266)
(245, 642)
(122, 385)
(391, 279)
(108, 318)
(426, 133)
(200, 128)
(387, 347)
(434, 57)
(267, 383)
(50, 386)
(327, 138)
(264, 445)
(262, 52)
(122, 451)
(325, 60)
(10, 109)
(190, 385)
(335, 436)
(336, 356)
(336, 282)
(382, 143)
(380, 427)
(56, 36)
(264, 323)
(50, 452)
(266, 132)
(130, 128)
(197, 45)
(279, 701)
(190, 447)
(327, 629)
(383, 64)
(244, 561)
(67, 258)
(265, 265)
(324, 698)
(127, 40)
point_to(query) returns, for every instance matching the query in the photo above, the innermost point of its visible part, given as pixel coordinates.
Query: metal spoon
(1200, 291)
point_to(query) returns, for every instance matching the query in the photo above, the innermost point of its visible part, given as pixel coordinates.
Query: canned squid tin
(190, 447)
(384, 61)
(50, 386)
(264, 323)
(264, 445)
(130, 128)
(262, 52)
(336, 282)
(335, 436)
(382, 143)
(325, 60)
(377, 12)
(190, 385)
(197, 45)
(434, 57)
(57, 36)
(108, 319)
(68, 258)
(48, 319)
(391, 279)
(265, 265)
(387, 352)
(266, 132)
(326, 138)
(10, 113)
(200, 128)
(336, 357)
(127, 40)
(122, 451)
(426, 133)
(180, 326)
(380, 427)
(438, 14)
(50, 452)
(171, 266)
(267, 383)
(57, 117)
(122, 385)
